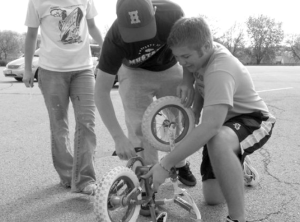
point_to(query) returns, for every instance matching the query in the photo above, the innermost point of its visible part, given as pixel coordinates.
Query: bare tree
(264, 34)
(293, 41)
(233, 39)
(9, 43)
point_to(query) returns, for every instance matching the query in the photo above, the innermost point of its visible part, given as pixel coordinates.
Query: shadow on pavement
(51, 203)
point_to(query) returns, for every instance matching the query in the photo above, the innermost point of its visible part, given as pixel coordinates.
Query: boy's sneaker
(185, 175)
(90, 189)
(251, 176)
(65, 185)
(228, 219)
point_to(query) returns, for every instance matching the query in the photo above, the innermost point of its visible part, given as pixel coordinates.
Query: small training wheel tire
(149, 119)
(105, 189)
(133, 162)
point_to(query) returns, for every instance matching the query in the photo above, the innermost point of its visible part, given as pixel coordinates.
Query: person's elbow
(93, 29)
(91, 24)
(214, 117)
(32, 32)
(101, 94)
(104, 83)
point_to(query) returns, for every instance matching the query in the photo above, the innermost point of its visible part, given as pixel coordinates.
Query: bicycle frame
(130, 176)
(149, 200)
(178, 192)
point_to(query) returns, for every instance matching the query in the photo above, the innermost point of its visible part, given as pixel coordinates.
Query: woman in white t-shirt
(66, 72)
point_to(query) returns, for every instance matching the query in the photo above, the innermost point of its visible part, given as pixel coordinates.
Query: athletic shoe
(89, 189)
(65, 185)
(251, 176)
(228, 219)
(185, 175)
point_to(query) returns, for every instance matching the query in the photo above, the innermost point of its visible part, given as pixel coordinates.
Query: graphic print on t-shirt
(145, 53)
(69, 24)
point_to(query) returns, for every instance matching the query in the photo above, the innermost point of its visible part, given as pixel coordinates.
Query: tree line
(259, 40)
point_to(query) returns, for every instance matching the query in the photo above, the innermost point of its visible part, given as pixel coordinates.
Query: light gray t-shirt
(225, 80)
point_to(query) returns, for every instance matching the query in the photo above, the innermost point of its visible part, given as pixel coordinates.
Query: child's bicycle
(119, 195)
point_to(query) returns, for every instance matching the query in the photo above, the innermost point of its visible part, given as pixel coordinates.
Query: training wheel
(109, 198)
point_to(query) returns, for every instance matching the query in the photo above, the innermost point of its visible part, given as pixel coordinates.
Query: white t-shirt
(225, 80)
(64, 33)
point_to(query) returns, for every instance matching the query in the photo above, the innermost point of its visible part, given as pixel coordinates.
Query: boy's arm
(104, 82)
(94, 31)
(197, 105)
(213, 119)
(185, 90)
(188, 77)
(30, 45)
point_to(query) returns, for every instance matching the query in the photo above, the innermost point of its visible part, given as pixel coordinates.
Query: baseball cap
(136, 20)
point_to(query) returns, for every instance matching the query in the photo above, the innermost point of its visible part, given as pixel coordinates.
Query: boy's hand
(28, 78)
(186, 94)
(158, 174)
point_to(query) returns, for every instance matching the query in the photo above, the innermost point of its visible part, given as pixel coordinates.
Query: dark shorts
(253, 131)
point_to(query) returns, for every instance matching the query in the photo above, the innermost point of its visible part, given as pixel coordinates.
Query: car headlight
(13, 66)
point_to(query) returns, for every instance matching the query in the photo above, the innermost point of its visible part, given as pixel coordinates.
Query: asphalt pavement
(29, 185)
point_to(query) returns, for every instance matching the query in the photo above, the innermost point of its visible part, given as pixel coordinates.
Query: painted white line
(268, 90)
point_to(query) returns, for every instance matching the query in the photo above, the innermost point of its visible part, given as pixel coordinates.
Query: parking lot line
(268, 90)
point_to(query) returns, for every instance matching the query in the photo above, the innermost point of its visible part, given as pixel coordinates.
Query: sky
(224, 13)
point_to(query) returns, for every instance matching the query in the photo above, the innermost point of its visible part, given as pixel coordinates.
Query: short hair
(193, 32)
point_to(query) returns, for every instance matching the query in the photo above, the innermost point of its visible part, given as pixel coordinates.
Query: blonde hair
(193, 32)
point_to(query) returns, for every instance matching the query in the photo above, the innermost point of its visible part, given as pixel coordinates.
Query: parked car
(15, 68)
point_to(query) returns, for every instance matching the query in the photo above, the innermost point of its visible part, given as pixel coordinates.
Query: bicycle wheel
(160, 115)
(114, 186)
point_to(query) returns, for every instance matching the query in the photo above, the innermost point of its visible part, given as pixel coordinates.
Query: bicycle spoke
(163, 119)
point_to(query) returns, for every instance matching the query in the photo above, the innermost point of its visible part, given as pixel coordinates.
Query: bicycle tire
(150, 115)
(102, 205)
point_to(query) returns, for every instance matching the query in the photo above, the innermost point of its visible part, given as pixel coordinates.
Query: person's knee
(225, 141)
(212, 192)
(212, 201)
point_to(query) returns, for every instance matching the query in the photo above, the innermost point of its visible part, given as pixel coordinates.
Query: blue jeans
(58, 88)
